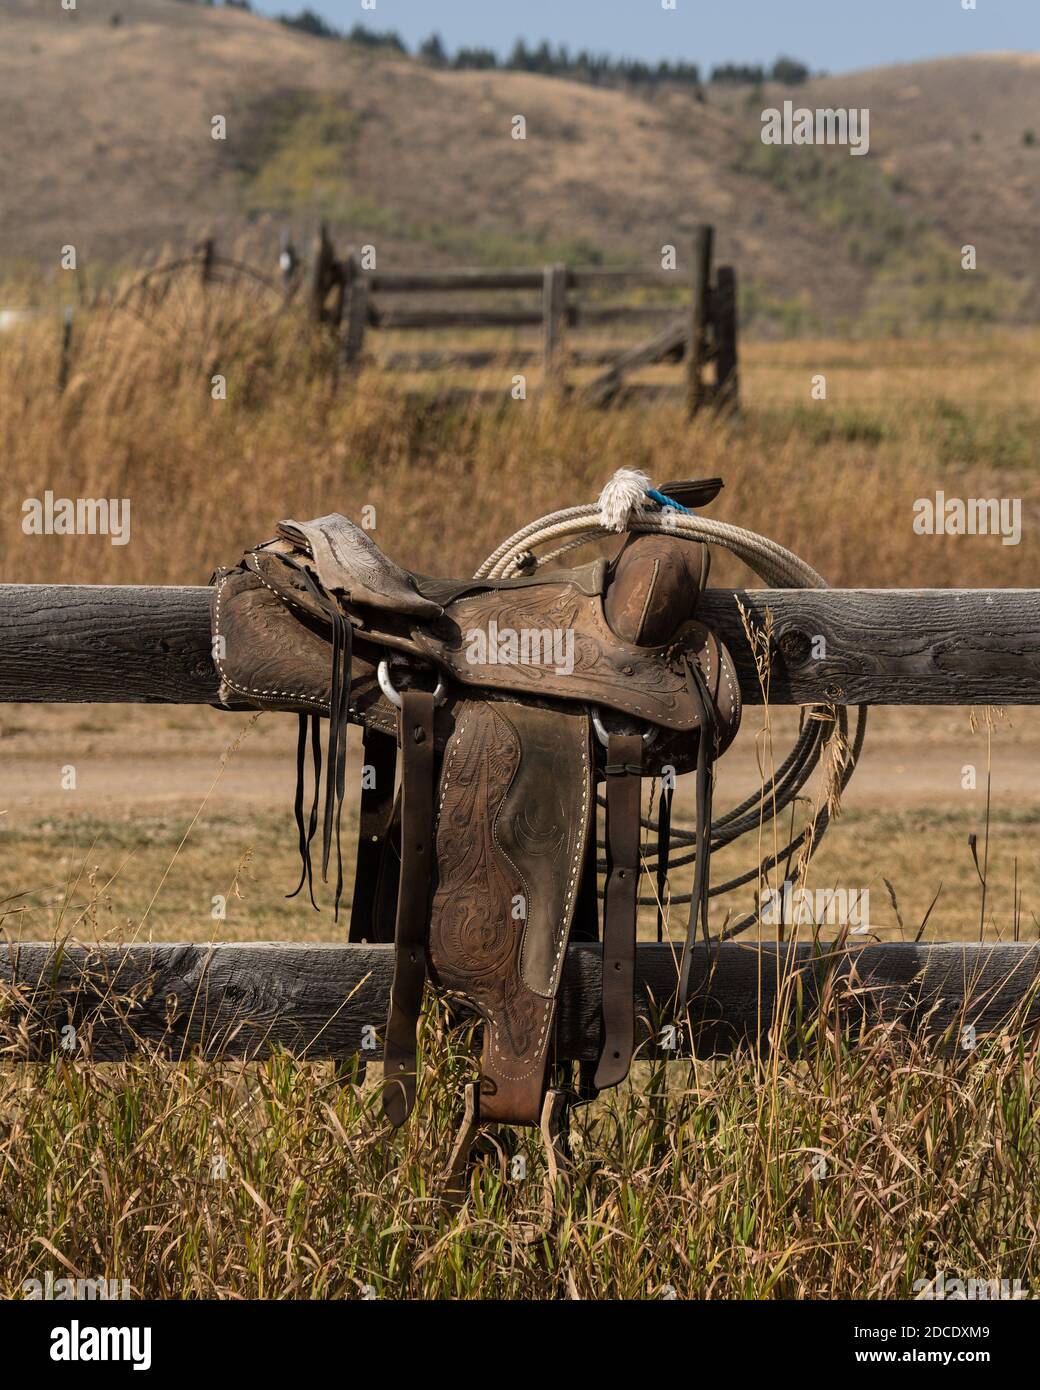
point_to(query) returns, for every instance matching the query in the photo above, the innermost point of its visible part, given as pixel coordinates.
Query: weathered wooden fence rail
(329, 1001)
(144, 644)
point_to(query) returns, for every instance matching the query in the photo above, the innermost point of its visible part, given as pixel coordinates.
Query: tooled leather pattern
(475, 937)
(269, 657)
(647, 682)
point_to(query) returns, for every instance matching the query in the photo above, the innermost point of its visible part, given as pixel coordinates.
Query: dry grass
(703, 1181)
(142, 775)
(833, 480)
(695, 1180)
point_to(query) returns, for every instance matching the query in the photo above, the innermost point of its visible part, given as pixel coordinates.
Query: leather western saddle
(508, 701)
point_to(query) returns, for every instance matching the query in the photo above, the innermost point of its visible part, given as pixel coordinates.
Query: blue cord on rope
(663, 501)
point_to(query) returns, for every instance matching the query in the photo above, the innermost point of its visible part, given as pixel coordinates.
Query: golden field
(700, 1182)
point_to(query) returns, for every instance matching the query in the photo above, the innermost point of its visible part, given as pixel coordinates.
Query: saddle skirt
(545, 685)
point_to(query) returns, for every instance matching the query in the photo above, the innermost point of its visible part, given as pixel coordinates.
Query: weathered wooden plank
(440, 281)
(101, 643)
(583, 314)
(325, 275)
(65, 358)
(724, 314)
(652, 392)
(355, 289)
(666, 341)
(520, 278)
(554, 313)
(607, 277)
(453, 318)
(512, 358)
(325, 1001)
(206, 252)
(889, 646)
(127, 643)
(580, 356)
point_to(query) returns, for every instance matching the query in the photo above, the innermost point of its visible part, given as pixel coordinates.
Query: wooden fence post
(697, 337)
(208, 251)
(724, 317)
(554, 312)
(66, 348)
(355, 290)
(321, 283)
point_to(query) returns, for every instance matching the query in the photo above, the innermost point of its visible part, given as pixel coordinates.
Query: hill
(105, 143)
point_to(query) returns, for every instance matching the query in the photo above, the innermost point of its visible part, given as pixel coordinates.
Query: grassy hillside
(421, 163)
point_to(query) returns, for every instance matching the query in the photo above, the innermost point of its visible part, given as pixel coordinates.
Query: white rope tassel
(624, 494)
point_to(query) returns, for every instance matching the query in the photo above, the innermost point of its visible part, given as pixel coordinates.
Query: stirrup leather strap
(702, 862)
(624, 784)
(417, 759)
(376, 815)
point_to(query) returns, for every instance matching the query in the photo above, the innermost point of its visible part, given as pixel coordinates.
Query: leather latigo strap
(664, 850)
(376, 815)
(515, 807)
(624, 784)
(417, 760)
(706, 753)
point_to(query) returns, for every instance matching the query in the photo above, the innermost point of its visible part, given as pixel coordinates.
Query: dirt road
(140, 759)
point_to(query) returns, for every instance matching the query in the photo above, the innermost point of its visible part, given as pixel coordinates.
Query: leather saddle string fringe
(306, 833)
(336, 750)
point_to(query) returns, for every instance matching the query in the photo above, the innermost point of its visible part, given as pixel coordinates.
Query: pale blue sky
(837, 35)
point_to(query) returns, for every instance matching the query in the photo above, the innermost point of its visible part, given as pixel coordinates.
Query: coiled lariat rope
(629, 503)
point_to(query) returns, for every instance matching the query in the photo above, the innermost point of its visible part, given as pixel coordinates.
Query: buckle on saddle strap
(604, 735)
(386, 685)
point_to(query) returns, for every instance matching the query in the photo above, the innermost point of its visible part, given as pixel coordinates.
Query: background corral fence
(589, 319)
(195, 303)
(559, 301)
(71, 643)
